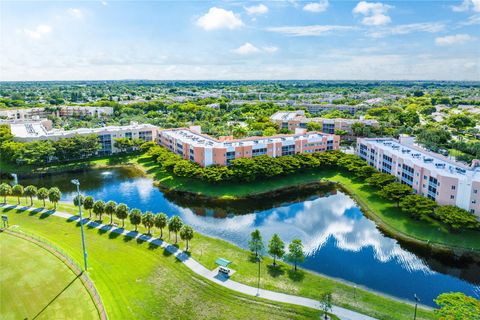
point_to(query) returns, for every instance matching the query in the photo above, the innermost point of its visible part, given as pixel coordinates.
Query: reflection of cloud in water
(314, 222)
(142, 186)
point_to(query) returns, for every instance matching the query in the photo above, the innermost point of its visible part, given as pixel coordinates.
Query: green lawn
(206, 250)
(141, 281)
(386, 214)
(36, 284)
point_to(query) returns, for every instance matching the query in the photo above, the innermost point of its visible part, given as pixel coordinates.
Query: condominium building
(31, 131)
(60, 111)
(193, 145)
(296, 119)
(432, 175)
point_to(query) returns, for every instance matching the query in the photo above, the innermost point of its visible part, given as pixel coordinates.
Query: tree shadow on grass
(46, 214)
(104, 229)
(296, 276)
(114, 234)
(129, 236)
(153, 246)
(275, 271)
(35, 211)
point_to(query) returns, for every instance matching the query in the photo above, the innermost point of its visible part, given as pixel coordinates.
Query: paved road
(199, 269)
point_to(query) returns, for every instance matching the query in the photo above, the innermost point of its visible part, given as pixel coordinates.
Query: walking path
(199, 269)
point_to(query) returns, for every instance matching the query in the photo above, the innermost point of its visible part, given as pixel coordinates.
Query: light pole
(77, 183)
(417, 300)
(258, 283)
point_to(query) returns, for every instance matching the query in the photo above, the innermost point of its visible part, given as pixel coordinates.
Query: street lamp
(258, 283)
(77, 183)
(417, 300)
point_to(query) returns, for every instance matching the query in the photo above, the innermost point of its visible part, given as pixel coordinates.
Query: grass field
(206, 250)
(36, 284)
(140, 281)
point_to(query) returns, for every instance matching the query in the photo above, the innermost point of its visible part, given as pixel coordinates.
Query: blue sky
(326, 39)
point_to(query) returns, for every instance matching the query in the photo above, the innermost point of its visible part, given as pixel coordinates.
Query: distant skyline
(240, 40)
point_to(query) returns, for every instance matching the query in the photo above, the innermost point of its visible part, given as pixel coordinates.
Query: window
(425, 177)
(452, 197)
(453, 187)
(475, 191)
(472, 210)
(474, 201)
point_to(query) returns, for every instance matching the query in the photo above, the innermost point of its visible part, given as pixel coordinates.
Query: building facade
(31, 131)
(296, 119)
(61, 111)
(191, 144)
(432, 175)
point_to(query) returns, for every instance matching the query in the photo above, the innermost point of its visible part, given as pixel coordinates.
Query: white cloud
(429, 27)
(259, 9)
(451, 40)
(313, 30)
(375, 13)
(39, 32)
(104, 3)
(76, 13)
(218, 18)
(472, 20)
(247, 48)
(466, 5)
(320, 6)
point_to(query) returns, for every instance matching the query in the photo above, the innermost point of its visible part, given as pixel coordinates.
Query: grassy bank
(140, 281)
(384, 212)
(283, 279)
(43, 287)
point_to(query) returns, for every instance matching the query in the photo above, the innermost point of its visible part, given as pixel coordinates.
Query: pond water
(340, 242)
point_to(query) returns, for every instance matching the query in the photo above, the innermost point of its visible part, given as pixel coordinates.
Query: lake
(339, 240)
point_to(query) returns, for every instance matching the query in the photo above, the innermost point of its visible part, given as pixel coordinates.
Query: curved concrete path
(199, 269)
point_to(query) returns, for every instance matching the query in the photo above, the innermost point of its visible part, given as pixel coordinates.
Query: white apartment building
(432, 175)
(61, 111)
(31, 131)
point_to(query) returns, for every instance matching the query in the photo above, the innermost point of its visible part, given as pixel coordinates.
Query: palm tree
(88, 205)
(75, 200)
(54, 196)
(17, 191)
(99, 208)
(148, 220)
(175, 224)
(110, 207)
(186, 234)
(135, 217)
(30, 191)
(122, 212)
(5, 190)
(42, 194)
(161, 222)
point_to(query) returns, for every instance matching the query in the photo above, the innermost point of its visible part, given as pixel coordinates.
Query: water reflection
(339, 240)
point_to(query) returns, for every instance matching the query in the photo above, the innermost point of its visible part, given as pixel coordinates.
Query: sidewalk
(199, 269)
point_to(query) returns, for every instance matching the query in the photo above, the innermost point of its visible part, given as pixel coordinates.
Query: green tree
(326, 304)
(457, 306)
(456, 218)
(42, 194)
(135, 217)
(99, 208)
(256, 243)
(186, 234)
(379, 180)
(110, 208)
(460, 121)
(30, 191)
(175, 224)
(54, 195)
(88, 202)
(161, 220)
(365, 172)
(5, 190)
(17, 191)
(121, 211)
(395, 192)
(75, 200)
(148, 220)
(417, 206)
(295, 252)
(276, 248)
(269, 132)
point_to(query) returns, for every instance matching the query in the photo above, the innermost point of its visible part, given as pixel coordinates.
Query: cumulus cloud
(38, 32)
(375, 13)
(247, 48)
(466, 5)
(429, 27)
(320, 6)
(218, 18)
(313, 30)
(259, 9)
(76, 13)
(454, 39)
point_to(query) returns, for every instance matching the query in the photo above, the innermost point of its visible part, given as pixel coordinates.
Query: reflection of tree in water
(223, 208)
